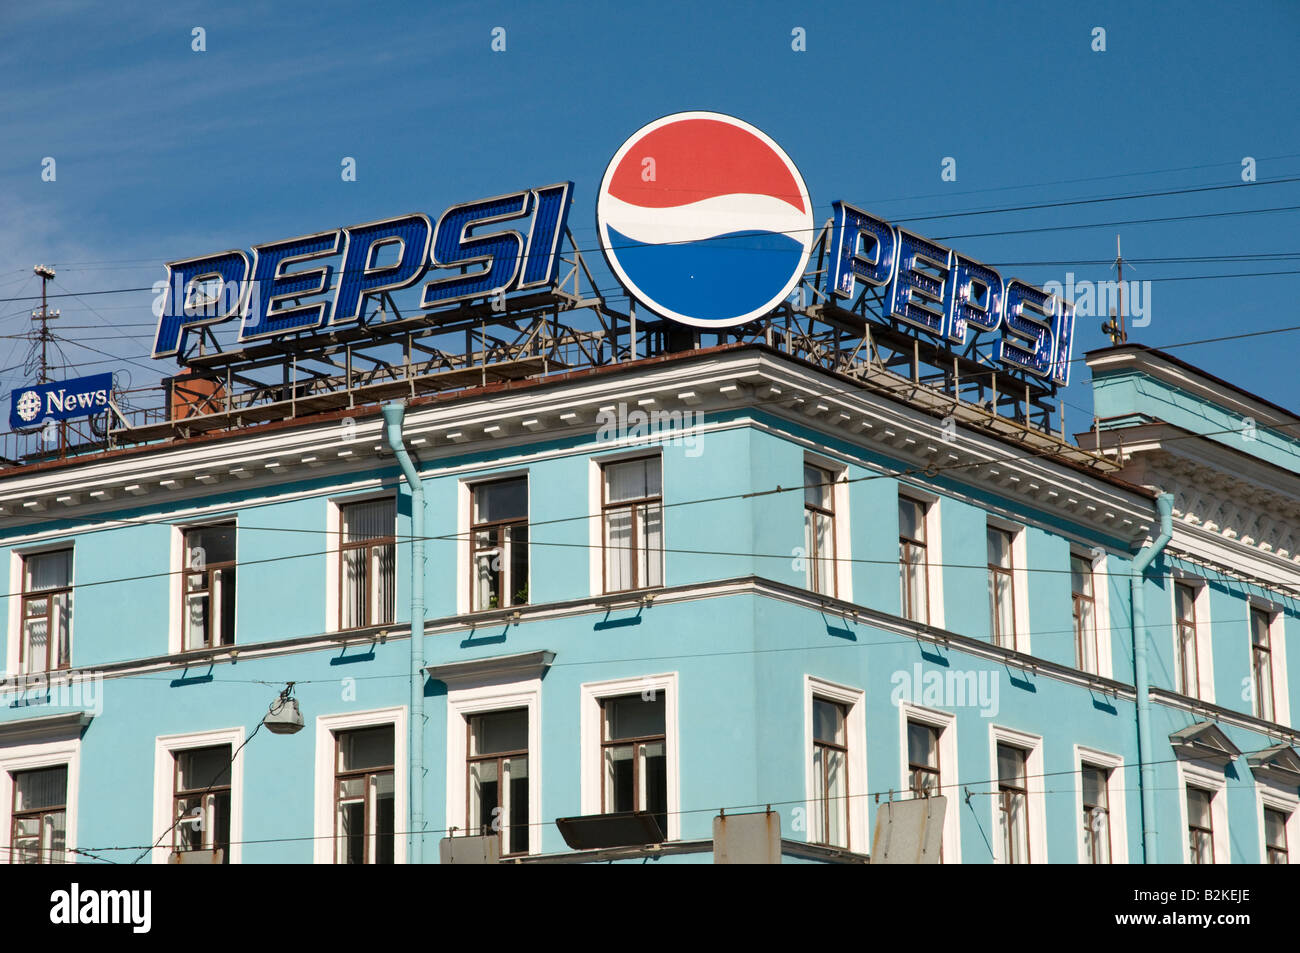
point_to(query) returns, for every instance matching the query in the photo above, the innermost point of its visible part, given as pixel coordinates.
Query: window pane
(618, 549)
(922, 744)
(484, 795)
(911, 519)
(1080, 576)
(356, 587)
(1185, 600)
(651, 534)
(1259, 627)
(516, 784)
(1011, 766)
(34, 790)
(503, 500)
(836, 794)
(633, 717)
(999, 548)
(48, 570)
(654, 772)
(384, 818)
(633, 480)
(619, 780)
(202, 768)
(366, 748)
(1004, 619)
(1198, 808)
(385, 567)
(817, 487)
(374, 519)
(1275, 828)
(828, 721)
(1094, 786)
(498, 731)
(207, 545)
(517, 549)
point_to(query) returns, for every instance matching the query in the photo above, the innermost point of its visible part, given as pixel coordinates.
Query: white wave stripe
(707, 218)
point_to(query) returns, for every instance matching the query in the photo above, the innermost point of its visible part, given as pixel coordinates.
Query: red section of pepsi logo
(697, 159)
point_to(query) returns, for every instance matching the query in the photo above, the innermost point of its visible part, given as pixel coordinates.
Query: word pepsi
(502, 259)
(935, 289)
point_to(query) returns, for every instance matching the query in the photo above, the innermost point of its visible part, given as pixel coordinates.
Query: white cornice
(497, 422)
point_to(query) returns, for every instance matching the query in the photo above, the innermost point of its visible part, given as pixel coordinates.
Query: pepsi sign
(705, 219)
(29, 407)
(950, 296)
(501, 245)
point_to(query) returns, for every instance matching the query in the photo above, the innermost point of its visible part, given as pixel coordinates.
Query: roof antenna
(1114, 329)
(45, 316)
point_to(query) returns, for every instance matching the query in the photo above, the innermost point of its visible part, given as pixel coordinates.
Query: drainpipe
(1146, 783)
(393, 416)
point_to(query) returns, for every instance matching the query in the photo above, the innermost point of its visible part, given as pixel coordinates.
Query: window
(499, 540)
(1275, 843)
(364, 792)
(633, 750)
(208, 586)
(923, 759)
(830, 773)
(632, 524)
(1013, 804)
(46, 612)
(1096, 814)
(201, 800)
(497, 768)
(367, 556)
(39, 816)
(913, 565)
(1185, 609)
(1002, 605)
(1200, 825)
(1261, 655)
(819, 528)
(1086, 653)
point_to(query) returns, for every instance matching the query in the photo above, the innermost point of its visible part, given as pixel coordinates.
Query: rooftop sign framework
(707, 225)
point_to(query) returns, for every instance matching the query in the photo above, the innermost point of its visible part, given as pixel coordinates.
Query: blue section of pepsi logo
(59, 400)
(714, 279)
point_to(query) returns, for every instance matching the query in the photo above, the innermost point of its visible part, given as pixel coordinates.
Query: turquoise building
(713, 579)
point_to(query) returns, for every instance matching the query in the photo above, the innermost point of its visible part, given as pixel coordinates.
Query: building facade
(718, 579)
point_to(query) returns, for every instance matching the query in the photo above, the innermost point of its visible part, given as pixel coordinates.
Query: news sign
(30, 407)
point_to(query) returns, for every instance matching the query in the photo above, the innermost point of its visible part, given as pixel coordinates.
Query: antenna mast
(44, 316)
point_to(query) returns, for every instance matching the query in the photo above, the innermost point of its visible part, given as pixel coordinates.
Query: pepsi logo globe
(705, 219)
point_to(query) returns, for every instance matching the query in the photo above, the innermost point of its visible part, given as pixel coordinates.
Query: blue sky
(164, 153)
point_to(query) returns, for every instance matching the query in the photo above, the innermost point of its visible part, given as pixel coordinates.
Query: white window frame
(176, 581)
(13, 643)
(1101, 607)
(1277, 653)
(30, 757)
(334, 543)
(855, 733)
(480, 699)
(166, 747)
(595, 522)
(326, 728)
(1212, 779)
(842, 566)
(464, 506)
(1019, 580)
(590, 738)
(1035, 796)
(1113, 764)
(933, 549)
(946, 723)
(1272, 795)
(1204, 647)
